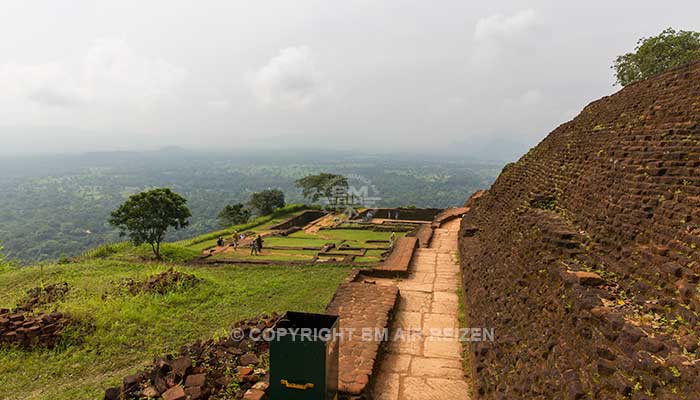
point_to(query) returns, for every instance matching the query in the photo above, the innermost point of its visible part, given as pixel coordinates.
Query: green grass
(131, 330)
(351, 237)
(294, 241)
(208, 240)
(267, 254)
(356, 235)
(125, 251)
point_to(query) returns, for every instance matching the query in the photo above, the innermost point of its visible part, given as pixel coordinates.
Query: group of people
(256, 244)
(394, 215)
(236, 238)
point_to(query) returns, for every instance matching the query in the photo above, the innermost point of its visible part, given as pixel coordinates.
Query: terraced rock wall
(584, 254)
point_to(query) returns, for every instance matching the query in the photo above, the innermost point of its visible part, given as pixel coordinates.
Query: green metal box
(304, 357)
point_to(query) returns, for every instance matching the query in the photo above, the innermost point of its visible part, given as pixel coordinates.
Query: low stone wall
(361, 306)
(448, 215)
(424, 233)
(399, 260)
(300, 220)
(408, 214)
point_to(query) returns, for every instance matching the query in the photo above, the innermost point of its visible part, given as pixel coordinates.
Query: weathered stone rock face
(584, 254)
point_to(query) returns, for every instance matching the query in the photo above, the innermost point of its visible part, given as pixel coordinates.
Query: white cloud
(110, 73)
(219, 104)
(499, 27)
(291, 78)
(44, 83)
(531, 97)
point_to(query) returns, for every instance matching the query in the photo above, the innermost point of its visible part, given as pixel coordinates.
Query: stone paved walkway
(426, 363)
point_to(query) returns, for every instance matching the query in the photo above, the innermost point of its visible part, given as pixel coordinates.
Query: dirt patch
(232, 367)
(162, 283)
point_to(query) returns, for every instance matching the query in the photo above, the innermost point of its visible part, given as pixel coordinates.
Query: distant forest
(53, 206)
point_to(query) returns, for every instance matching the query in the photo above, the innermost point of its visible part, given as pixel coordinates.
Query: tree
(234, 214)
(657, 54)
(267, 201)
(322, 185)
(146, 217)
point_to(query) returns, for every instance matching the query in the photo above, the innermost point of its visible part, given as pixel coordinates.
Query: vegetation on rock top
(657, 54)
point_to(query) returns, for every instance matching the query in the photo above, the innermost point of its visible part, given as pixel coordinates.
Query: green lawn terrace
(330, 237)
(128, 330)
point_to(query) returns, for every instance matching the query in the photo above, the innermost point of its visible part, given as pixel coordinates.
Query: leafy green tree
(234, 214)
(146, 217)
(322, 185)
(657, 54)
(267, 201)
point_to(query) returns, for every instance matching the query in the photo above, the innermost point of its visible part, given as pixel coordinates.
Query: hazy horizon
(483, 80)
(480, 154)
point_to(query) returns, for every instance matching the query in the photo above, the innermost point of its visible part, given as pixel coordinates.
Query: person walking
(253, 247)
(259, 243)
(234, 242)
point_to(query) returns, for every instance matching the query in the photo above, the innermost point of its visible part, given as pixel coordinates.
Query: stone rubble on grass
(229, 367)
(42, 295)
(26, 330)
(161, 283)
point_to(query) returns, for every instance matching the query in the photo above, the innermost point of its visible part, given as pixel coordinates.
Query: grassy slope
(258, 225)
(131, 330)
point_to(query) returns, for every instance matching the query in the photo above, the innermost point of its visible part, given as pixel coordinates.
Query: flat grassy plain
(130, 330)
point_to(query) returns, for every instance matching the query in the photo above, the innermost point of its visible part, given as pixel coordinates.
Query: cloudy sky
(422, 75)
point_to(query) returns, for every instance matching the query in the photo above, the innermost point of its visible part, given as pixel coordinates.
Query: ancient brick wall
(584, 254)
(411, 214)
(300, 220)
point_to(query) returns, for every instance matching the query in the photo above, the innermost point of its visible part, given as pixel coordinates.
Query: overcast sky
(422, 75)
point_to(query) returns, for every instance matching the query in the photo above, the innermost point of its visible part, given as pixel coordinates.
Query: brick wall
(301, 220)
(615, 192)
